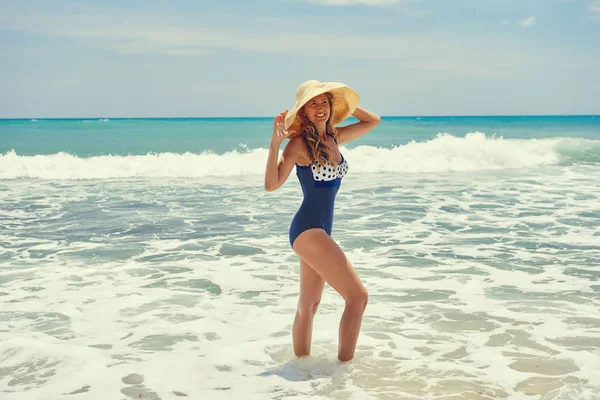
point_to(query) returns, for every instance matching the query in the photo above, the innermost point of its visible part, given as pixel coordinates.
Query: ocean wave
(89, 121)
(444, 153)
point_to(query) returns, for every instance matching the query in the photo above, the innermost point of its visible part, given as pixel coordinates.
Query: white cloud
(594, 6)
(127, 32)
(526, 23)
(190, 52)
(355, 2)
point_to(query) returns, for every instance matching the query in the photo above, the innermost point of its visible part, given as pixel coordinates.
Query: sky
(225, 58)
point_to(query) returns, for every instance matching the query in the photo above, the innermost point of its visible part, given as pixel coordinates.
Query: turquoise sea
(142, 258)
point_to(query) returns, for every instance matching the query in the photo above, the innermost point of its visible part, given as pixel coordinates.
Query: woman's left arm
(368, 121)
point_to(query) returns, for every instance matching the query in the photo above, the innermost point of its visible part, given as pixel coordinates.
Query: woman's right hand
(279, 132)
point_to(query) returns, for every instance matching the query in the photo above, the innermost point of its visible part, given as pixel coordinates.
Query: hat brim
(345, 101)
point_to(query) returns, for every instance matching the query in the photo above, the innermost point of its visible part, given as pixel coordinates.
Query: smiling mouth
(320, 115)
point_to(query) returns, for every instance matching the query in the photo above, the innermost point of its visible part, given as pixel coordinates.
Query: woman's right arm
(277, 172)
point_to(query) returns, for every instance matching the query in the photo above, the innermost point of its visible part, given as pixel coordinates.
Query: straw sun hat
(345, 101)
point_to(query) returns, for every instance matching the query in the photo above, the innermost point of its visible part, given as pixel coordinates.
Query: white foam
(474, 152)
(445, 153)
(465, 298)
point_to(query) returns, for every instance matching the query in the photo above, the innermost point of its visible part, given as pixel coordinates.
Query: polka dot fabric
(328, 172)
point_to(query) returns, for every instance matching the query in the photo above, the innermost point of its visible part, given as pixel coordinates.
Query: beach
(142, 258)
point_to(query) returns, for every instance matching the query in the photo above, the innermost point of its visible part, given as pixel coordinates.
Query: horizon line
(269, 117)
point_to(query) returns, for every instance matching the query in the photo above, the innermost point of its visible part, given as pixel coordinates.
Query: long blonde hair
(318, 152)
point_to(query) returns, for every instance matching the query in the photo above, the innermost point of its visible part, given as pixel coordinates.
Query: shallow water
(481, 285)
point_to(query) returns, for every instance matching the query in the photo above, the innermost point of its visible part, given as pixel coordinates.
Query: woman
(313, 148)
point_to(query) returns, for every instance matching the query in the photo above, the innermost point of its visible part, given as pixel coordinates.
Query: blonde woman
(320, 167)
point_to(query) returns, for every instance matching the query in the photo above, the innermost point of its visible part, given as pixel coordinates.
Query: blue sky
(184, 58)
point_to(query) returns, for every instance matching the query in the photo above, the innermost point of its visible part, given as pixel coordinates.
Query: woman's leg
(311, 288)
(326, 258)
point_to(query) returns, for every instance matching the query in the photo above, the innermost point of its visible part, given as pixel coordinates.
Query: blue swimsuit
(320, 186)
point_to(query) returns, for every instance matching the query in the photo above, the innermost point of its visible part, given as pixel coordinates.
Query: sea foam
(444, 153)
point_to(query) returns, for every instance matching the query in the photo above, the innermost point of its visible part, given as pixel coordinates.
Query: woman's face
(317, 110)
